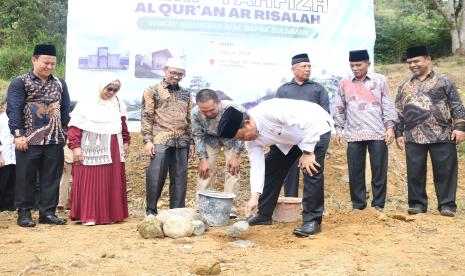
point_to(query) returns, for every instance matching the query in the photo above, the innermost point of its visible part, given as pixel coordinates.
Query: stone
(237, 228)
(205, 267)
(199, 227)
(242, 244)
(187, 213)
(178, 227)
(402, 217)
(150, 227)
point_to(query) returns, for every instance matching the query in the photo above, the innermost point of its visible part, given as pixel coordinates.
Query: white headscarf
(97, 115)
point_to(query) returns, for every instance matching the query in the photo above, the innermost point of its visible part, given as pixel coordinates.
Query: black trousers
(7, 187)
(167, 159)
(356, 156)
(444, 161)
(276, 168)
(48, 161)
(291, 182)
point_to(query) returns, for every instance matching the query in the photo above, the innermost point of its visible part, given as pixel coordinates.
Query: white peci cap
(176, 63)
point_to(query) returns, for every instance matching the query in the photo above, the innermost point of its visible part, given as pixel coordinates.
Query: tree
(453, 12)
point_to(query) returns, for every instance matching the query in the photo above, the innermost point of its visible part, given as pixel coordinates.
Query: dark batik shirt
(429, 110)
(38, 110)
(309, 91)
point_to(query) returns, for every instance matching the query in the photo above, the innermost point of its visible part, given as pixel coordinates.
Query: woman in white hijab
(99, 139)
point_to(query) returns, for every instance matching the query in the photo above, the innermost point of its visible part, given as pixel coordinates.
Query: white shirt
(284, 123)
(7, 148)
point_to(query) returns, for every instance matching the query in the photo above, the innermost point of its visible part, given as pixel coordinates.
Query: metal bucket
(288, 209)
(215, 207)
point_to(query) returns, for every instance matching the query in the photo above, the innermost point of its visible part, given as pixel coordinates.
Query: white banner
(241, 48)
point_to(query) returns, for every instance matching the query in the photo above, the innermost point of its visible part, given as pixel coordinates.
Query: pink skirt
(98, 192)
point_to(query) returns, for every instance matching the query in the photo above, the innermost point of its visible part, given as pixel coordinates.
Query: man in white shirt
(292, 129)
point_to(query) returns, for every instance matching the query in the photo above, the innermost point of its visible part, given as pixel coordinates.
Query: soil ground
(351, 243)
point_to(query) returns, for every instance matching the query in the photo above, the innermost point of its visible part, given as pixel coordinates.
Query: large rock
(206, 267)
(187, 213)
(199, 227)
(178, 227)
(150, 227)
(237, 228)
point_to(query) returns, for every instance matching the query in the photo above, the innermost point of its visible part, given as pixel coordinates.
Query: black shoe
(25, 219)
(307, 228)
(149, 212)
(447, 212)
(259, 220)
(414, 211)
(52, 219)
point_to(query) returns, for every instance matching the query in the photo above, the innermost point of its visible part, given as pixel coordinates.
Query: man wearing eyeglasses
(166, 130)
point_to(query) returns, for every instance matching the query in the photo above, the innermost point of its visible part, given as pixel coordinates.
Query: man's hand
(2, 161)
(308, 164)
(389, 137)
(233, 164)
(458, 136)
(339, 140)
(126, 150)
(204, 168)
(252, 204)
(191, 151)
(78, 157)
(400, 141)
(149, 149)
(21, 143)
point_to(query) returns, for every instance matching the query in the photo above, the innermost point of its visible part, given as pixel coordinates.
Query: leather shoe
(307, 228)
(25, 219)
(52, 219)
(447, 212)
(414, 211)
(259, 220)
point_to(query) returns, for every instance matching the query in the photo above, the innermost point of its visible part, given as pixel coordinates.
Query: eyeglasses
(176, 74)
(112, 89)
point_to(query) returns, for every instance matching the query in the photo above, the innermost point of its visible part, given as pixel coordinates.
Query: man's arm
(340, 110)
(457, 111)
(16, 98)
(257, 167)
(147, 115)
(389, 111)
(198, 133)
(65, 106)
(324, 98)
(399, 129)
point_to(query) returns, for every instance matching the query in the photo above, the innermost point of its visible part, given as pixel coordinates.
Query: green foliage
(400, 24)
(24, 23)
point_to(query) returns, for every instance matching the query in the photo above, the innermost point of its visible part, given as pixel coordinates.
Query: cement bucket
(215, 207)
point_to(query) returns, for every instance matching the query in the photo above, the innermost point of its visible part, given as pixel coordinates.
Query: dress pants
(231, 182)
(291, 183)
(172, 160)
(48, 161)
(7, 187)
(356, 156)
(276, 168)
(444, 161)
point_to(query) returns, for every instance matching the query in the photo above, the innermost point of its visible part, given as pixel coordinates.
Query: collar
(34, 77)
(430, 75)
(368, 76)
(170, 87)
(305, 82)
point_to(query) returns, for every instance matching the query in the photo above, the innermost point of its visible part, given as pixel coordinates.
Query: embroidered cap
(44, 49)
(176, 63)
(230, 123)
(358, 55)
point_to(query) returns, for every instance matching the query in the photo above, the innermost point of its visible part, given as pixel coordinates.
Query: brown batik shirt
(429, 110)
(165, 115)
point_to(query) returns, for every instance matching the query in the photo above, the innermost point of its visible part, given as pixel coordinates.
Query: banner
(242, 49)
